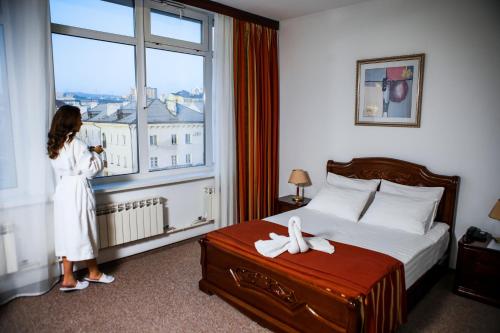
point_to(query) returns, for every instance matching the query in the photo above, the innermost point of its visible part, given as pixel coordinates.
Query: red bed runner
(353, 272)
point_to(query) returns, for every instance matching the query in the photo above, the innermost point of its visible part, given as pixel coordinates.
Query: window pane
(99, 78)
(8, 177)
(176, 108)
(108, 16)
(173, 26)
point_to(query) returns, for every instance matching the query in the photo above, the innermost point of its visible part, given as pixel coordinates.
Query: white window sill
(25, 200)
(138, 183)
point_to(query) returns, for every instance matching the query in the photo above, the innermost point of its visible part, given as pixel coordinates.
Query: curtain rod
(231, 11)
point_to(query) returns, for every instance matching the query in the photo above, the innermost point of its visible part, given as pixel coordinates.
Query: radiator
(120, 223)
(208, 204)
(8, 255)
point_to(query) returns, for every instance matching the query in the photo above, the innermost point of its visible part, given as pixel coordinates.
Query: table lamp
(495, 214)
(299, 178)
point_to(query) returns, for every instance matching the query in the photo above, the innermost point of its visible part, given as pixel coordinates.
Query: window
(172, 26)
(188, 138)
(153, 162)
(108, 16)
(188, 158)
(153, 140)
(178, 63)
(118, 63)
(8, 174)
(88, 75)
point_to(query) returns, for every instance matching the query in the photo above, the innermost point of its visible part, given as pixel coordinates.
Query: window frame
(175, 11)
(142, 40)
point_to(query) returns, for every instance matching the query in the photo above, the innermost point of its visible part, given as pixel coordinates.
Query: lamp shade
(299, 177)
(495, 211)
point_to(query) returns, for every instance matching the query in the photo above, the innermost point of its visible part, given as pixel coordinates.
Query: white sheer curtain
(224, 119)
(27, 260)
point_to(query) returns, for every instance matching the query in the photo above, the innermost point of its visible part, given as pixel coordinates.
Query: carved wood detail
(405, 173)
(264, 283)
(271, 298)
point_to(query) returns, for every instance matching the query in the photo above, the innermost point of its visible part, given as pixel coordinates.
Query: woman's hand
(98, 149)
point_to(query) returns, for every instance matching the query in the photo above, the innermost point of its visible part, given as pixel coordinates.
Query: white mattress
(418, 253)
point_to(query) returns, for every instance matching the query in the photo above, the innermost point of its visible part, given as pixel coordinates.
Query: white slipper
(103, 279)
(80, 285)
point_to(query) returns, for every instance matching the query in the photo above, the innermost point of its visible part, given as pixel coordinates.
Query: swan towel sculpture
(294, 243)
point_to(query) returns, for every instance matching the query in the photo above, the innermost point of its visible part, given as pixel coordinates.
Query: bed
(287, 295)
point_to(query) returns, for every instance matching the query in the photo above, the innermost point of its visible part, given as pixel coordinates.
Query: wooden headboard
(405, 173)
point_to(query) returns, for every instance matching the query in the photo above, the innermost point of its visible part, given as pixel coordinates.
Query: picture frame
(389, 91)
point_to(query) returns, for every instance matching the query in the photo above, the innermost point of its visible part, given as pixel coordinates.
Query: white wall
(460, 124)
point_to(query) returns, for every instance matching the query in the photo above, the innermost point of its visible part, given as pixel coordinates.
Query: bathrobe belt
(77, 174)
(71, 174)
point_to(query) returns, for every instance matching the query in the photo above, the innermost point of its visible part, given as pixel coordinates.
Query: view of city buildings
(175, 128)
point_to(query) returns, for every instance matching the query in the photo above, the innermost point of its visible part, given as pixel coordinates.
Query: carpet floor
(158, 292)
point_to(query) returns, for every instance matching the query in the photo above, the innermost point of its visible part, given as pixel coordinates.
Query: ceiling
(285, 9)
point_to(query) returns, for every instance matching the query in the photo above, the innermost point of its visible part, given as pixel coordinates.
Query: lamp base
(298, 198)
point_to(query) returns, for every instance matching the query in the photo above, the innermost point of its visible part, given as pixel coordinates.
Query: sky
(99, 67)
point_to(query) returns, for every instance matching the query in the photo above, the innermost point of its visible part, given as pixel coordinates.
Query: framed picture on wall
(389, 91)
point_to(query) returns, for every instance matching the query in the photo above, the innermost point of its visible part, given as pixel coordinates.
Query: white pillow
(428, 193)
(399, 212)
(353, 183)
(341, 202)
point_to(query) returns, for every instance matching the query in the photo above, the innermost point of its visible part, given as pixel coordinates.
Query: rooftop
(156, 109)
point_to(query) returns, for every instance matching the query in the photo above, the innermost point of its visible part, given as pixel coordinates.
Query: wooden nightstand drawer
(285, 208)
(478, 272)
(286, 203)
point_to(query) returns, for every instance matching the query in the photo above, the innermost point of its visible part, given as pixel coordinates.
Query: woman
(74, 203)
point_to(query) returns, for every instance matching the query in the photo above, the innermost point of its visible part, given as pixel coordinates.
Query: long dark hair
(65, 121)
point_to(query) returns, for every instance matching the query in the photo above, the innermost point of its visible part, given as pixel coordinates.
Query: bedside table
(478, 272)
(286, 203)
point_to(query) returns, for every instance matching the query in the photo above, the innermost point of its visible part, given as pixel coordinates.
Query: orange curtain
(256, 94)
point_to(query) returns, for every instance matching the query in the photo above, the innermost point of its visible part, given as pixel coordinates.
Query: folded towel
(294, 244)
(320, 244)
(297, 243)
(274, 247)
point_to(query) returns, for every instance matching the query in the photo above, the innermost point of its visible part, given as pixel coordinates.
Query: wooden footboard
(274, 299)
(285, 301)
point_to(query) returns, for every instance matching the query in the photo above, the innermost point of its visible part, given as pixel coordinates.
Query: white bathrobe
(74, 202)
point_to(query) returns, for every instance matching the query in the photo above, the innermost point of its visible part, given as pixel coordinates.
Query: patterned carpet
(158, 292)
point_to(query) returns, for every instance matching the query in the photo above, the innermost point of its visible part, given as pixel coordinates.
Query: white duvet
(418, 253)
